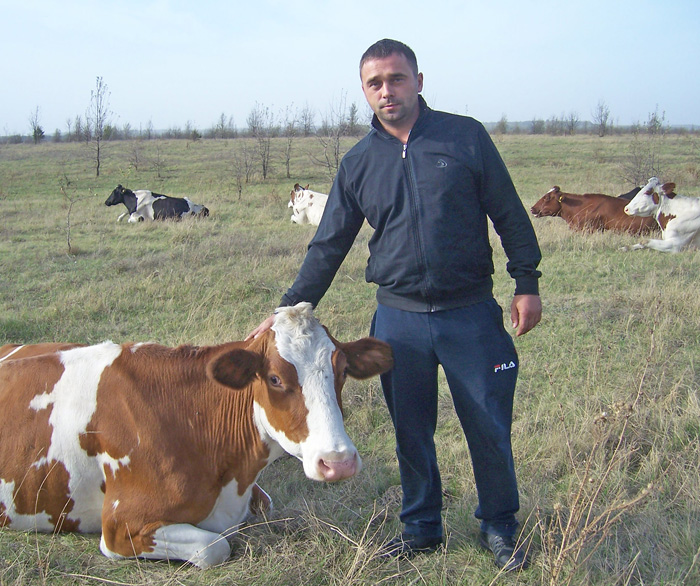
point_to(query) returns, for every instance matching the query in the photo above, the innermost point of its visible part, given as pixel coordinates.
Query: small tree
(306, 121)
(537, 126)
(502, 125)
(37, 130)
(354, 128)
(572, 123)
(97, 116)
(601, 116)
(333, 128)
(290, 130)
(261, 125)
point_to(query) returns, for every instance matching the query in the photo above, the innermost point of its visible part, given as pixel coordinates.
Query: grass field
(607, 420)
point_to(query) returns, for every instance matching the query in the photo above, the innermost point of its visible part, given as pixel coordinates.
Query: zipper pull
(403, 154)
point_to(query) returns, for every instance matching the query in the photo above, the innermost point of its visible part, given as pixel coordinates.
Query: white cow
(677, 215)
(307, 206)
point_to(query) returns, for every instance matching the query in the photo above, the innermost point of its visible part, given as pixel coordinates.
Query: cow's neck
(130, 201)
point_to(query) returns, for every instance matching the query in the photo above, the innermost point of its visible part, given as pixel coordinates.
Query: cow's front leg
(169, 542)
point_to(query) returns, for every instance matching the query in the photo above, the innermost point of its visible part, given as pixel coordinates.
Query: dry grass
(607, 406)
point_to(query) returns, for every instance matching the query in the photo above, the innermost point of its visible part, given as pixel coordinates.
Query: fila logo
(504, 366)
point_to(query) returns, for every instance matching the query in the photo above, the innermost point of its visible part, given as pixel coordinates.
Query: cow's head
(549, 204)
(298, 190)
(297, 371)
(116, 197)
(647, 201)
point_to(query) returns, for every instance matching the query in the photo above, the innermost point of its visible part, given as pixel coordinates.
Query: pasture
(606, 429)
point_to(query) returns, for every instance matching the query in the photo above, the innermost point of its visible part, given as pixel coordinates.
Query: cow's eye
(275, 381)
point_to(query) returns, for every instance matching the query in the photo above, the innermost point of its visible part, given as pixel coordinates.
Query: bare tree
(290, 130)
(655, 124)
(261, 125)
(572, 121)
(306, 121)
(601, 116)
(333, 128)
(136, 154)
(79, 131)
(37, 130)
(69, 192)
(643, 153)
(224, 127)
(97, 116)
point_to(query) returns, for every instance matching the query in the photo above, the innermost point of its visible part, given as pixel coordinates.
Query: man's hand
(525, 313)
(262, 328)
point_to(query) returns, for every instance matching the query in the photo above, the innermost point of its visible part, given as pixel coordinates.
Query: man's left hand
(525, 313)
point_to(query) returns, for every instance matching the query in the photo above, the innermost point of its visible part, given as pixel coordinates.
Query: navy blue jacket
(428, 203)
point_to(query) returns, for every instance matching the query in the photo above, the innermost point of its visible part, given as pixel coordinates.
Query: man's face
(391, 89)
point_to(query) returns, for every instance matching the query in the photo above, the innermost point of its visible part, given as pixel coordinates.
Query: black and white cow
(146, 205)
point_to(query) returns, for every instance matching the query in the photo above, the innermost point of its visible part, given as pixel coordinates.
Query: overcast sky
(172, 62)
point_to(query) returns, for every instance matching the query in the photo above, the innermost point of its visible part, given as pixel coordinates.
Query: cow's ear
(236, 368)
(668, 188)
(367, 357)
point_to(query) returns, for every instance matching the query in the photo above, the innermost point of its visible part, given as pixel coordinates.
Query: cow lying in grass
(591, 211)
(678, 216)
(160, 448)
(307, 206)
(145, 205)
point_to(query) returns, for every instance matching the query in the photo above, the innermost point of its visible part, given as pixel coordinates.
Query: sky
(171, 63)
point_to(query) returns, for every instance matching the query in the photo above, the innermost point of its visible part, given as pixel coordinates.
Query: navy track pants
(480, 364)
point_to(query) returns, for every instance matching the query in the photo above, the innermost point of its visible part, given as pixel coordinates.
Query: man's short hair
(387, 47)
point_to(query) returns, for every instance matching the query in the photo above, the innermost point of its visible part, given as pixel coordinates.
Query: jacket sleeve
(502, 204)
(341, 221)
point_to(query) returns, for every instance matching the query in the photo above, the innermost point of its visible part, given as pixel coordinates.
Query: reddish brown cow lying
(591, 211)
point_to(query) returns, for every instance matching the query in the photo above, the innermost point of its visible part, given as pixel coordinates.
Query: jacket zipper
(418, 236)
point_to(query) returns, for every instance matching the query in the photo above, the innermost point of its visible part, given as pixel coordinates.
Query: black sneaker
(408, 546)
(508, 554)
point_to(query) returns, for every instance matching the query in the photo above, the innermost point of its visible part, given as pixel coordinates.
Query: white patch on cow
(302, 341)
(115, 505)
(11, 353)
(40, 402)
(276, 440)
(184, 542)
(230, 509)
(73, 401)
(38, 522)
(114, 464)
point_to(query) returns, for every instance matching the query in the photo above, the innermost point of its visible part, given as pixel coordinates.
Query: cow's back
(597, 211)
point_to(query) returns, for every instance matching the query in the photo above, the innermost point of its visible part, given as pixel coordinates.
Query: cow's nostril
(337, 470)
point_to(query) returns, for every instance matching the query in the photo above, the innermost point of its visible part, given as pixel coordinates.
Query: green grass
(607, 401)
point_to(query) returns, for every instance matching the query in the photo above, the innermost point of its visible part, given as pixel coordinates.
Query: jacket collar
(424, 109)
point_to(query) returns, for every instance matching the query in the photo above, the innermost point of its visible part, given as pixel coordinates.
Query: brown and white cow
(590, 211)
(678, 216)
(307, 205)
(160, 448)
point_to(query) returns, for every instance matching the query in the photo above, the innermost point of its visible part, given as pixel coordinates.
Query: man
(426, 182)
